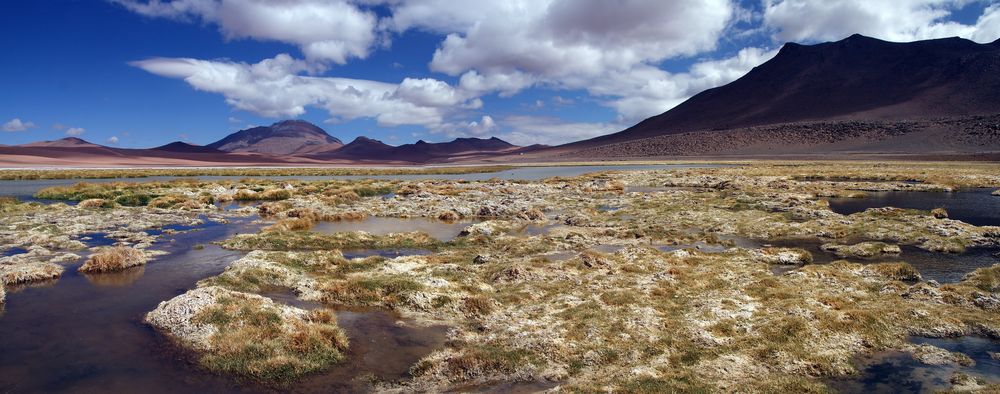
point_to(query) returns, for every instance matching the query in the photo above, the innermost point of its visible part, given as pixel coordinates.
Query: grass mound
(113, 259)
(250, 335)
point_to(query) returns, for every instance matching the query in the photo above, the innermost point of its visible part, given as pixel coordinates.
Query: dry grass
(113, 259)
(96, 203)
(448, 216)
(256, 341)
(291, 224)
(12, 274)
(266, 195)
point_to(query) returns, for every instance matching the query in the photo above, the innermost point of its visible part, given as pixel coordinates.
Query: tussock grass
(12, 274)
(897, 271)
(266, 195)
(985, 279)
(381, 290)
(297, 240)
(256, 341)
(113, 259)
(96, 203)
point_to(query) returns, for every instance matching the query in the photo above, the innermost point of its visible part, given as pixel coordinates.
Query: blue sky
(139, 74)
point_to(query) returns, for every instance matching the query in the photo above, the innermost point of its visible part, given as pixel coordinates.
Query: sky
(143, 73)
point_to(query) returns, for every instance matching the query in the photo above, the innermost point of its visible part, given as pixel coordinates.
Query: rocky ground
(647, 281)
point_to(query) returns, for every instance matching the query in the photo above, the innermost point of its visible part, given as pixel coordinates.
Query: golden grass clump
(350, 216)
(292, 224)
(448, 216)
(12, 274)
(257, 340)
(165, 201)
(96, 203)
(113, 259)
(266, 195)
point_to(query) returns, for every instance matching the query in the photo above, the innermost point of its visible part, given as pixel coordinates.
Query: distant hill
(184, 147)
(855, 79)
(68, 142)
(285, 138)
(367, 149)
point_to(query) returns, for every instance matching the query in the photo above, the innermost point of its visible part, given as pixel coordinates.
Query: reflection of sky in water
(942, 267)
(899, 372)
(973, 206)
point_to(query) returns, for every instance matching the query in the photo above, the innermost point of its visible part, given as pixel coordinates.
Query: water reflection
(899, 372)
(973, 206)
(116, 279)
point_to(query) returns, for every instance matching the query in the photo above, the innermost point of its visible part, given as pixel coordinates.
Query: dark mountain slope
(858, 78)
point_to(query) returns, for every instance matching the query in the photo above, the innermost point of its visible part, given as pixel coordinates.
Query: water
(27, 188)
(899, 372)
(942, 267)
(84, 333)
(973, 206)
(13, 251)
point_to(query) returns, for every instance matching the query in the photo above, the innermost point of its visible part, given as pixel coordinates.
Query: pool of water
(24, 189)
(442, 231)
(899, 372)
(942, 267)
(973, 206)
(13, 251)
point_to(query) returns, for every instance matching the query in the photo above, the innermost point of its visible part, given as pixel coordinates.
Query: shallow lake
(974, 206)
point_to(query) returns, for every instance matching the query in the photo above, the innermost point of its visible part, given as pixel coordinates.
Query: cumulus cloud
(275, 88)
(75, 131)
(529, 130)
(113, 140)
(325, 30)
(17, 125)
(896, 20)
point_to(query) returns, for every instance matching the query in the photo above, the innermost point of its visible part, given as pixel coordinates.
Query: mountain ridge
(857, 78)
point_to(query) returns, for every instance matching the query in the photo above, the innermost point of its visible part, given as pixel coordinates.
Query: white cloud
(17, 125)
(609, 49)
(113, 140)
(325, 30)
(233, 119)
(275, 88)
(75, 131)
(529, 130)
(895, 20)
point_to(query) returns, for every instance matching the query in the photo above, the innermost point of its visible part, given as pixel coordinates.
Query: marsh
(714, 278)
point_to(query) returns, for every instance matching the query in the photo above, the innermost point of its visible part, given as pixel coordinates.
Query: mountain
(367, 149)
(184, 147)
(285, 138)
(362, 148)
(855, 79)
(68, 142)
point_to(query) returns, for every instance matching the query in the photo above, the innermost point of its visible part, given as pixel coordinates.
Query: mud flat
(639, 280)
